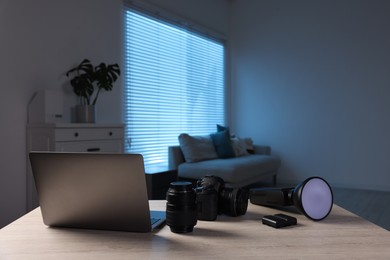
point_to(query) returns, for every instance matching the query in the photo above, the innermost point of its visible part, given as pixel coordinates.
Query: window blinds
(174, 83)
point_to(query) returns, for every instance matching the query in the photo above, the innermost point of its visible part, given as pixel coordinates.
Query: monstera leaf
(89, 78)
(105, 76)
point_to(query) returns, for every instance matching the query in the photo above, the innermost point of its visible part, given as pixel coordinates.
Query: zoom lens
(233, 202)
(181, 207)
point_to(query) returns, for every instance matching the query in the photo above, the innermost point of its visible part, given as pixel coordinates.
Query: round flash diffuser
(314, 198)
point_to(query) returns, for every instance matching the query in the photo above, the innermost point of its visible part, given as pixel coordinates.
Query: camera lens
(233, 202)
(181, 207)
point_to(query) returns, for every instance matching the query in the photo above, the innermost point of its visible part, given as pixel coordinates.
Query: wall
(311, 79)
(212, 14)
(41, 40)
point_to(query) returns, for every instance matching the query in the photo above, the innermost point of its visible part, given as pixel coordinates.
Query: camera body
(207, 202)
(213, 198)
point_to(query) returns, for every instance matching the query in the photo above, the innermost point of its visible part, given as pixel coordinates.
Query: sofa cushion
(197, 148)
(222, 144)
(249, 145)
(240, 171)
(239, 146)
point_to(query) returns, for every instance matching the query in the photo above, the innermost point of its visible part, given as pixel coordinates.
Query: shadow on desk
(212, 233)
(104, 235)
(220, 228)
(250, 215)
(333, 217)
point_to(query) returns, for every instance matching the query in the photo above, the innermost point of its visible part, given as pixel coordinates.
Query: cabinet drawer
(84, 134)
(90, 146)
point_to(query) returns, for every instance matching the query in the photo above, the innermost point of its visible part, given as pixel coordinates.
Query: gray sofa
(237, 172)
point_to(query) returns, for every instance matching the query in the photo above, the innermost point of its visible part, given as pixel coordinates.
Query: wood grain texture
(343, 235)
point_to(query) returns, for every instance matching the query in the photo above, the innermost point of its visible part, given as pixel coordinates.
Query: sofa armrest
(262, 149)
(175, 157)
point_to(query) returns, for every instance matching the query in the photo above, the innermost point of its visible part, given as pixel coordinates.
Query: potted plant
(88, 81)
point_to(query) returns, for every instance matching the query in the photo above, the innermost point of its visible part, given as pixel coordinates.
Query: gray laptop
(94, 191)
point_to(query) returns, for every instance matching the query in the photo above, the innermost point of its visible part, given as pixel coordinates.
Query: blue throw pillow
(221, 128)
(222, 144)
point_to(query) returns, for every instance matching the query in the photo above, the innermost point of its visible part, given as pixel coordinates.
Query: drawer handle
(110, 133)
(76, 134)
(93, 149)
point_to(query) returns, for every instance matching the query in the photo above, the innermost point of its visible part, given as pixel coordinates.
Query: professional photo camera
(213, 198)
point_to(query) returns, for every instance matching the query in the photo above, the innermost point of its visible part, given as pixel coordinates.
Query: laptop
(94, 191)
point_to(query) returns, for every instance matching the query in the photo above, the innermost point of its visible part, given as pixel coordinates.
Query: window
(174, 83)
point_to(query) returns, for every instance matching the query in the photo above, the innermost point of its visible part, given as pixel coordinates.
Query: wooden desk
(342, 235)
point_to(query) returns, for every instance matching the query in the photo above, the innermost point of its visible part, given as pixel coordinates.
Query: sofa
(241, 170)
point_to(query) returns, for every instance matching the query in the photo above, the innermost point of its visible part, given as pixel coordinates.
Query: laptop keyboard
(154, 220)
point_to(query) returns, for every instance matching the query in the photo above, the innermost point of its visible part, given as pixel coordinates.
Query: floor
(371, 205)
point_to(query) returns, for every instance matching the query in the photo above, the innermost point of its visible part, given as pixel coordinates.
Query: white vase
(85, 114)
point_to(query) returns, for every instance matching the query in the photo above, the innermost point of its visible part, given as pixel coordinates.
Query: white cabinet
(103, 138)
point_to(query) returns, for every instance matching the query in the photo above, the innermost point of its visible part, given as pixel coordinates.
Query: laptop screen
(92, 190)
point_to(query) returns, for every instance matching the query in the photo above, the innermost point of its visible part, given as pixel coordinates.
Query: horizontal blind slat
(174, 83)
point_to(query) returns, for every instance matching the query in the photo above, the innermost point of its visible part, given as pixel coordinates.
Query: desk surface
(342, 235)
